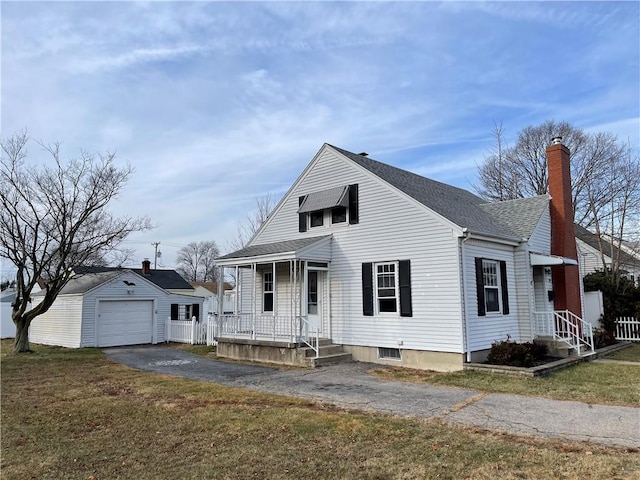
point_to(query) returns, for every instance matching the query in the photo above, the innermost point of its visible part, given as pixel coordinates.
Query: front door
(315, 285)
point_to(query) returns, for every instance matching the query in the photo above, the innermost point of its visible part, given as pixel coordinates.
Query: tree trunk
(21, 343)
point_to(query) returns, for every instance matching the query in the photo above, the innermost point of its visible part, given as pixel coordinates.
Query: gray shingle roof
(456, 204)
(167, 279)
(520, 215)
(610, 250)
(273, 248)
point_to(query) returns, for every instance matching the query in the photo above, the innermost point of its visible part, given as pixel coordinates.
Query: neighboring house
(401, 269)
(591, 258)
(7, 327)
(104, 307)
(209, 290)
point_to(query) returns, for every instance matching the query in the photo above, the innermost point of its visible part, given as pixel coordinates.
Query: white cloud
(216, 103)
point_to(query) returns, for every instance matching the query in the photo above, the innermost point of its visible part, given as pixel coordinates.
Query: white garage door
(125, 322)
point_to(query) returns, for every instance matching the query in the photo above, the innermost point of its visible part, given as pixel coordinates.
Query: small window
(316, 218)
(389, 353)
(339, 215)
(386, 291)
(267, 292)
(491, 285)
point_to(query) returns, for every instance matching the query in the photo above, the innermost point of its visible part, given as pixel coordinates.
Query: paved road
(349, 386)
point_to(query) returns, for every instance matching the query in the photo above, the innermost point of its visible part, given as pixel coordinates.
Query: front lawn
(74, 414)
(598, 383)
(629, 354)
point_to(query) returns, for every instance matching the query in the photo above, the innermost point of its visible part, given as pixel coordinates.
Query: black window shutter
(174, 311)
(405, 288)
(354, 214)
(302, 217)
(503, 286)
(195, 311)
(480, 288)
(367, 289)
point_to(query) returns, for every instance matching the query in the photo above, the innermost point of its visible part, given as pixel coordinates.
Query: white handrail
(566, 326)
(306, 338)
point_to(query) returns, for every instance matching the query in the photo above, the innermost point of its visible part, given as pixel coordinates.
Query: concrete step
(325, 350)
(323, 342)
(329, 359)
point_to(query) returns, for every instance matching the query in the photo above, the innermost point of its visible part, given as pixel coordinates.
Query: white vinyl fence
(187, 331)
(628, 329)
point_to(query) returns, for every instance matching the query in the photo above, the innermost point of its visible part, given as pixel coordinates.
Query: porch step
(558, 348)
(329, 359)
(329, 354)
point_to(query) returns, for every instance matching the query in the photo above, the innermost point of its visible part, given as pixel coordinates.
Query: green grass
(74, 414)
(598, 383)
(629, 354)
(200, 350)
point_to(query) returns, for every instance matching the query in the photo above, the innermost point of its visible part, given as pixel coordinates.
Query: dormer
(334, 206)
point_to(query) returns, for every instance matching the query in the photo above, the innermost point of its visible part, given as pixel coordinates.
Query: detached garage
(107, 309)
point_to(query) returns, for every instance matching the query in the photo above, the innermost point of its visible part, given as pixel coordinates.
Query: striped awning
(331, 198)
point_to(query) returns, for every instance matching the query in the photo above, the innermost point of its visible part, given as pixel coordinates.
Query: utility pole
(155, 254)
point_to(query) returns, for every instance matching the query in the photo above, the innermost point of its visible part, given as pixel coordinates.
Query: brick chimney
(566, 278)
(146, 267)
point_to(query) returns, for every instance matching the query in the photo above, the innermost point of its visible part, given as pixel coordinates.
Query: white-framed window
(267, 292)
(316, 219)
(386, 287)
(339, 215)
(491, 281)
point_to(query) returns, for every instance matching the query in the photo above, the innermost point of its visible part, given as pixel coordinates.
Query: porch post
(275, 297)
(328, 296)
(236, 300)
(253, 303)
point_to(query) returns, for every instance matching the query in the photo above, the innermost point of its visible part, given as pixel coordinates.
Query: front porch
(282, 310)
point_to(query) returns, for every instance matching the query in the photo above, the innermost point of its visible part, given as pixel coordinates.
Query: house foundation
(418, 359)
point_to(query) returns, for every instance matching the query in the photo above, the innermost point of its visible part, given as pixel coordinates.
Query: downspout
(465, 320)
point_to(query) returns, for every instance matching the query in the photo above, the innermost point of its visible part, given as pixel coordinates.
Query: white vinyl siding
(61, 324)
(391, 227)
(540, 240)
(484, 330)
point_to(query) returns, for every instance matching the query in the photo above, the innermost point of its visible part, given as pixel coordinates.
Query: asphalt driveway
(350, 386)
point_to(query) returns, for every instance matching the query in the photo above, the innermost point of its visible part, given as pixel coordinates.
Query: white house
(104, 307)
(7, 327)
(400, 269)
(209, 290)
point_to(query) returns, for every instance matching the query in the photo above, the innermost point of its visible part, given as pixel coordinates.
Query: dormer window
(339, 215)
(316, 219)
(341, 202)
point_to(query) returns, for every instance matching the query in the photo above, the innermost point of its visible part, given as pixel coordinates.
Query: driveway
(350, 386)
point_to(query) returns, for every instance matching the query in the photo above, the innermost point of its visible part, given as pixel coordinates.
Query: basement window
(389, 353)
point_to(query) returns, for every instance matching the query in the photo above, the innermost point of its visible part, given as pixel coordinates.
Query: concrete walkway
(349, 386)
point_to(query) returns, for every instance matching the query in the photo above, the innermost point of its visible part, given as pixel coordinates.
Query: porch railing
(565, 326)
(262, 327)
(310, 336)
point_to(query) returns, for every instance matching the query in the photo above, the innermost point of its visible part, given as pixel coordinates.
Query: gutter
(465, 320)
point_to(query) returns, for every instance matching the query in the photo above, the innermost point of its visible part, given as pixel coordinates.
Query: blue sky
(217, 103)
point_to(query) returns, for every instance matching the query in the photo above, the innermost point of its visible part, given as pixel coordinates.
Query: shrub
(508, 352)
(603, 338)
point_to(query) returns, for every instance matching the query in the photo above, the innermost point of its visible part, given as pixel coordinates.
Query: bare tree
(247, 229)
(54, 218)
(618, 218)
(604, 175)
(196, 261)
